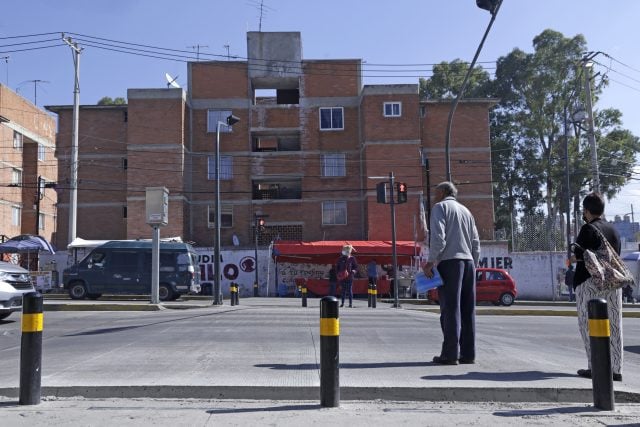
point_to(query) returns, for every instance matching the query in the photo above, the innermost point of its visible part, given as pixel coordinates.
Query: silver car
(14, 282)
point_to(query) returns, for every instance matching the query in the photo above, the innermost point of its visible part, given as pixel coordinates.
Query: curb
(409, 394)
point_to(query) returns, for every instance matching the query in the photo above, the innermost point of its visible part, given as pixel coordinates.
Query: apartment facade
(28, 168)
(307, 152)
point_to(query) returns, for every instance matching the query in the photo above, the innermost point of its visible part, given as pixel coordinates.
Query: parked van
(124, 267)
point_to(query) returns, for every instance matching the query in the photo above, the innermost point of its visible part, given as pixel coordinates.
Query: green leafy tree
(106, 100)
(447, 80)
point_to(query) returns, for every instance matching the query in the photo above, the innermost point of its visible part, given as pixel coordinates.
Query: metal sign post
(157, 204)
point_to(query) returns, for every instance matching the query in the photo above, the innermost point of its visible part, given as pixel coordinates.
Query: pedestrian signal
(402, 192)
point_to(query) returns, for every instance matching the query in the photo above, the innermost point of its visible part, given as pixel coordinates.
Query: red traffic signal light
(401, 188)
(261, 222)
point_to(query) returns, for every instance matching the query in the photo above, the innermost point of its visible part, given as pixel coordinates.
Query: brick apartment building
(27, 157)
(309, 137)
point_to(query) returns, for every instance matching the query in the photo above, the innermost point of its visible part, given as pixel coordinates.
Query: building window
(125, 163)
(226, 216)
(226, 168)
(392, 109)
(333, 165)
(16, 215)
(41, 221)
(16, 177)
(334, 213)
(42, 152)
(17, 140)
(124, 212)
(331, 118)
(215, 116)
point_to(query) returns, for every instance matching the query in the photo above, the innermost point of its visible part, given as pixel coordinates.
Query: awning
(328, 251)
(26, 243)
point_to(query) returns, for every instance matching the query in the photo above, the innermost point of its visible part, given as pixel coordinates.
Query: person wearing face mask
(346, 267)
(586, 290)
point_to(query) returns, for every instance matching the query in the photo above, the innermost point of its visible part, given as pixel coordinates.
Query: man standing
(455, 249)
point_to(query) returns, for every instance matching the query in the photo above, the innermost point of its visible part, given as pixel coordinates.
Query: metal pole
(590, 131)
(38, 198)
(392, 204)
(567, 183)
(447, 146)
(216, 251)
(155, 265)
(257, 230)
(73, 181)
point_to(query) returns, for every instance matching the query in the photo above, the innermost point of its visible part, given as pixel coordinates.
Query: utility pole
(586, 66)
(6, 61)
(38, 199)
(73, 184)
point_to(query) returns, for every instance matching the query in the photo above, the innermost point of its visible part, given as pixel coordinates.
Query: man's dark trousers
(457, 298)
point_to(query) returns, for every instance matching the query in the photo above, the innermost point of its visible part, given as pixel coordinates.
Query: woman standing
(586, 290)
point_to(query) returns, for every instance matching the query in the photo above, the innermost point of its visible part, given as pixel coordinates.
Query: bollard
(237, 293)
(255, 289)
(304, 294)
(232, 292)
(31, 349)
(374, 295)
(369, 293)
(599, 337)
(329, 353)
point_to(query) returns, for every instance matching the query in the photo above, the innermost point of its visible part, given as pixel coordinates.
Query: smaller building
(627, 229)
(28, 168)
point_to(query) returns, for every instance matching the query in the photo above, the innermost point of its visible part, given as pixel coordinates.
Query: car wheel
(94, 296)
(4, 315)
(165, 292)
(77, 290)
(506, 299)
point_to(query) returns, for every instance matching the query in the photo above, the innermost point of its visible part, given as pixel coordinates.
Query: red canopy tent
(328, 251)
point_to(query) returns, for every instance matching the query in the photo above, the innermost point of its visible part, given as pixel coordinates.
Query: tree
(106, 100)
(447, 79)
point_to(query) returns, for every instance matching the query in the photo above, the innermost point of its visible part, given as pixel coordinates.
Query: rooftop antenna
(263, 9)
(35, 88)
(197, 49)
(6, 61)
(171, 81)
(226, 46)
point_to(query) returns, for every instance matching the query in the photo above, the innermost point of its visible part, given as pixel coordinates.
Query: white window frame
(213, 116)
(334, 165)
(332, 127)
(224, 210)
(42, 152)
(226, 168)
(334, 205)
(393, 113)
(41, 219)
(18, 140)
(16, 216)
(16, 177)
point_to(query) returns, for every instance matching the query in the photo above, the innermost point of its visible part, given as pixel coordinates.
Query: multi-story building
(28, 168)
(309, 148)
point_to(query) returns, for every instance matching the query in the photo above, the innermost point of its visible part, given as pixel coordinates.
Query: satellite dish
(236, 241)
(171, 81)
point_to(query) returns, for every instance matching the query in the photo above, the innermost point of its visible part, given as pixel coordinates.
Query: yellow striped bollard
(303, 291)
(329, 352)
(599, 337)
(31, 349)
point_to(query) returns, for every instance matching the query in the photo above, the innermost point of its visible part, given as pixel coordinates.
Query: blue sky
(380, 32)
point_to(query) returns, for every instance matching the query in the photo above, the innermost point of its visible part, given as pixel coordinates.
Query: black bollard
(374, 295)
(599, 337)
(237, 293)
(369, 289)
(232, 292)
(31, 349)
(329, 353)
(255, 289)
(304, 294)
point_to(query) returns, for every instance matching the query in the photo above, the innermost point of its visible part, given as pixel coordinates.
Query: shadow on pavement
(501, 376)
(299, 366)
(548, 411)
(9, 404)
(267, 409)
(633, 349)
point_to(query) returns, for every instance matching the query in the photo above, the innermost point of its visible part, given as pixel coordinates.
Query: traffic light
(260, 224)
(381, 191)
(401, 187)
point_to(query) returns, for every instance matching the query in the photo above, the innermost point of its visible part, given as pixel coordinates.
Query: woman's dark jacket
(589, 239)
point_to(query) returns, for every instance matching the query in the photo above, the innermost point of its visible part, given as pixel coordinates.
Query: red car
(492, 285)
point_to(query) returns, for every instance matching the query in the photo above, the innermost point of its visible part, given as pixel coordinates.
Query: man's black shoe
(442, 361)
(464, 361)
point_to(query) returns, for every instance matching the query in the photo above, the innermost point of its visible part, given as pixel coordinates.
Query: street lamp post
(492, 6)
(231, 120)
